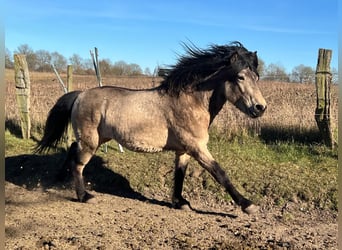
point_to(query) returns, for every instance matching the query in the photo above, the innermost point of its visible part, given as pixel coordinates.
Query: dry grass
(290, 110)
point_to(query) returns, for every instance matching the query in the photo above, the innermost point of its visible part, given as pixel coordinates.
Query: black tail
(57, 122)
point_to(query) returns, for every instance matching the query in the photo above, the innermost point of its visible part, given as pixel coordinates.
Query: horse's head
(242, 89)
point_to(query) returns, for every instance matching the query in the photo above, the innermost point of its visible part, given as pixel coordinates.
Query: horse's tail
(57, 122)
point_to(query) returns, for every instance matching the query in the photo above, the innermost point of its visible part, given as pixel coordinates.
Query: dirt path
(50, 219)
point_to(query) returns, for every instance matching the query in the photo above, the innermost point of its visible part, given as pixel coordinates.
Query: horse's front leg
(181, 164)
(205, 159)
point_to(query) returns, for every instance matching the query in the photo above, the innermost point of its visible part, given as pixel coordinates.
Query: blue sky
(149, 32)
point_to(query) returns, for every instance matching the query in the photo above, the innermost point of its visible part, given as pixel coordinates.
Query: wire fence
(308, 78)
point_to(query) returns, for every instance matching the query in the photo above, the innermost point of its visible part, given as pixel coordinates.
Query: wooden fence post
(69, 88)
(323, 79)
(23, 85)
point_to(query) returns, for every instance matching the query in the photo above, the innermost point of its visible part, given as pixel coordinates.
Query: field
(277, 161)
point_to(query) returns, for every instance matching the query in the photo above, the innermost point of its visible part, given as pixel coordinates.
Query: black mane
(198, 64)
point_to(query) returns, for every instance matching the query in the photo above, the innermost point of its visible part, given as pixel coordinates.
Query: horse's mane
(198, 64)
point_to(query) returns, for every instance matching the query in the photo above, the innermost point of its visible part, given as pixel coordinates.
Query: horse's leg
(205, 159)
(181, 164)
(67, 165)
(84, 154)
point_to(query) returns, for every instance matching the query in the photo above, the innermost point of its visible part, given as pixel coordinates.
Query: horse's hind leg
(65, 171)
(78, 156)
(181, 164)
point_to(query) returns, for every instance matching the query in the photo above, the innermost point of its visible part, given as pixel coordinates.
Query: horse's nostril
(260, 107)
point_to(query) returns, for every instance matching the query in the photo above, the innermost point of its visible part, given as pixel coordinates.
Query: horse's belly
(149, 142)
(138, 138)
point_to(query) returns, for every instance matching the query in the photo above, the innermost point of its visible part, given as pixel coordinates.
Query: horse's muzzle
(256, 110)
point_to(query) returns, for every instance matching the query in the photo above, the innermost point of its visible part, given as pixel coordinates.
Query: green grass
(282, 171)
(16, 146)
(274, 171)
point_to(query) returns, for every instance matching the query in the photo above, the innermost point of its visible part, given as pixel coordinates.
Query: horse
(175, 116)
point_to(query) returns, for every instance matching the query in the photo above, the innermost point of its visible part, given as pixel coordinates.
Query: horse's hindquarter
(134, 118)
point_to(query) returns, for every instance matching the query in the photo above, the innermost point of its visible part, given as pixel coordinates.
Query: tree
(43, 60)
(88, 67)
(276, 72)
(59, 61)
(8, 60)
(120, 68)
(77, 63)
(105, 66)
(261, 67)
(30, 55)
(133, 69)
(303, 74)
(147, 71)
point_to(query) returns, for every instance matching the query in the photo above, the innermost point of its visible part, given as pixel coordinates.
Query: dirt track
(51, 219)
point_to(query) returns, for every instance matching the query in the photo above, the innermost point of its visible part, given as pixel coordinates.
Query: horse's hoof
(184, 207)
(92, 200)
(251, 209)
(89, 198)
(182, 204)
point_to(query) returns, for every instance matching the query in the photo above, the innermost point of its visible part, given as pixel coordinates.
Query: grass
(282, 171)
(276, 172)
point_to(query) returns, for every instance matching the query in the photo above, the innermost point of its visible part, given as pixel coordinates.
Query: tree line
(41, 60)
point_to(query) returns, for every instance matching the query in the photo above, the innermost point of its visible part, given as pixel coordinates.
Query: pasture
(276, 160)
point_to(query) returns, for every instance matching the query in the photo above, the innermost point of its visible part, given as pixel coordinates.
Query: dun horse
(173, 116)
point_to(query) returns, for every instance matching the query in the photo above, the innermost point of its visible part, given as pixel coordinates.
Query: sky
(149, 33)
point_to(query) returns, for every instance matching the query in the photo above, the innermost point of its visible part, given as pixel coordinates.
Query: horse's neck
(216, 100)
(212, 99)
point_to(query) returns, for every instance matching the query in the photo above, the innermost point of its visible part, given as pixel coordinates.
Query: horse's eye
(241, 78)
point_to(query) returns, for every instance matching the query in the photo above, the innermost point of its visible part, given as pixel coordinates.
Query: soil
(50, 218)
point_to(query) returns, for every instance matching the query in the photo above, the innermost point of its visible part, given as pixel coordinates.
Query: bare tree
(105, 66)
(276, 72)
(59, 61)
(147, 71)
(120, 68)
(43, 60)
(30, 55)
(261, 67)
(133, 69)
(303, 74)
(77, 63)
(88, 67)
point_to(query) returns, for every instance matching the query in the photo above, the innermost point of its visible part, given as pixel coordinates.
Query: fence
(323, 85)
(23, 87)
(294, 79)
(290, 106)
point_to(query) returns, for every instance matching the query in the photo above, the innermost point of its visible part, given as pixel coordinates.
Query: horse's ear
(234, 57)
(255, 53)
